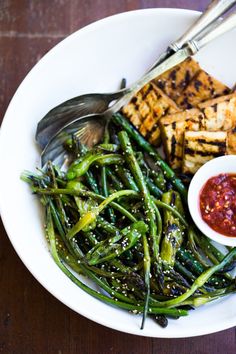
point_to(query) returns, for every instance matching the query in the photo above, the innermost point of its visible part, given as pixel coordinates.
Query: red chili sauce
(218, 203)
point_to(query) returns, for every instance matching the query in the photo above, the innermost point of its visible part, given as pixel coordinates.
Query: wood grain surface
(32, 320)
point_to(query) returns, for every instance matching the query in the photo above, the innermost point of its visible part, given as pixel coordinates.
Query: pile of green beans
(118, 215)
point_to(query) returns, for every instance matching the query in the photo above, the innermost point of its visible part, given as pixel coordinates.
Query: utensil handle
(224, 26)
(214, 10)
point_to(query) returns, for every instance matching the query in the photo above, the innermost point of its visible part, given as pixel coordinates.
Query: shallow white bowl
(95, 59)
(223, 164)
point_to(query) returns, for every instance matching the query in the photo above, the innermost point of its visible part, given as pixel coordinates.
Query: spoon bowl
(89, 130)
(71, 110)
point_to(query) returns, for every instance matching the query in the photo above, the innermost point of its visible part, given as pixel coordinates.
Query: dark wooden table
(32, 320)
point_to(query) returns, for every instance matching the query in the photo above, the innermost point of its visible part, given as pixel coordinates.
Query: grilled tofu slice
(200, 147)
(175, 80)
(145, 110)
(220, 113)
(201, 88)
(172, 129)
(131, 110)
(231, 142)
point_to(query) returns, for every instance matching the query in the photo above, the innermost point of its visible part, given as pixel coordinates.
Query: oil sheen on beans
(218, 203)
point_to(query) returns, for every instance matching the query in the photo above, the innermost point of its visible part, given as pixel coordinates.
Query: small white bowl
(223, 164)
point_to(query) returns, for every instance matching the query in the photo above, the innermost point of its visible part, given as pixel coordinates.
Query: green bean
(85, 206)
(100, 282)
(92, 181)
(214, 254)
(195, 267)
(89, 176)
(139, 179)
(134, 134)
(115, 262)
(173, 233)
(175, 212)
(123, 268)
(159, 223)
(57, 221)
(156, 174)
(82, 167)
(200, 281)
(211, 252)
(124, 305)
(159, 179)
(84, 193)
(91, 237)
(112, 248)
(108, 147)
(151, 217)
(116, 216)
(184, 271)
(146, 268)
(105, 192)
(80, 269)
(193, 247)
(154, 190)
(106, 226)
(127, 178)
(91, 215)
(60, 209)
(118, 185)
(170, 243)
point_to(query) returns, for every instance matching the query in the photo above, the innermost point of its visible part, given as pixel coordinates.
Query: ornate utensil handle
(224, 26)
(215, 9)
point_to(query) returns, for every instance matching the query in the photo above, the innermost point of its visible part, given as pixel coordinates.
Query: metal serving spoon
(82, 105)
(89, 129)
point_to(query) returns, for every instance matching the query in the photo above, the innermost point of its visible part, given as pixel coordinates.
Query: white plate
(95, 59)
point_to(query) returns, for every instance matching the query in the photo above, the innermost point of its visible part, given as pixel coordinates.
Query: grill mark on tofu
(197, 85)
(173, 147)
(214, 107)
(185, 103)
(160, 84)
(186, 80)
(188, 150)
(134, 100)
(217, 143)
(203, 153)
(150, 88)
(172, 74)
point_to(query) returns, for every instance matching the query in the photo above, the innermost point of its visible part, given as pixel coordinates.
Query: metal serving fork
(90, 128)
(99, 102)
